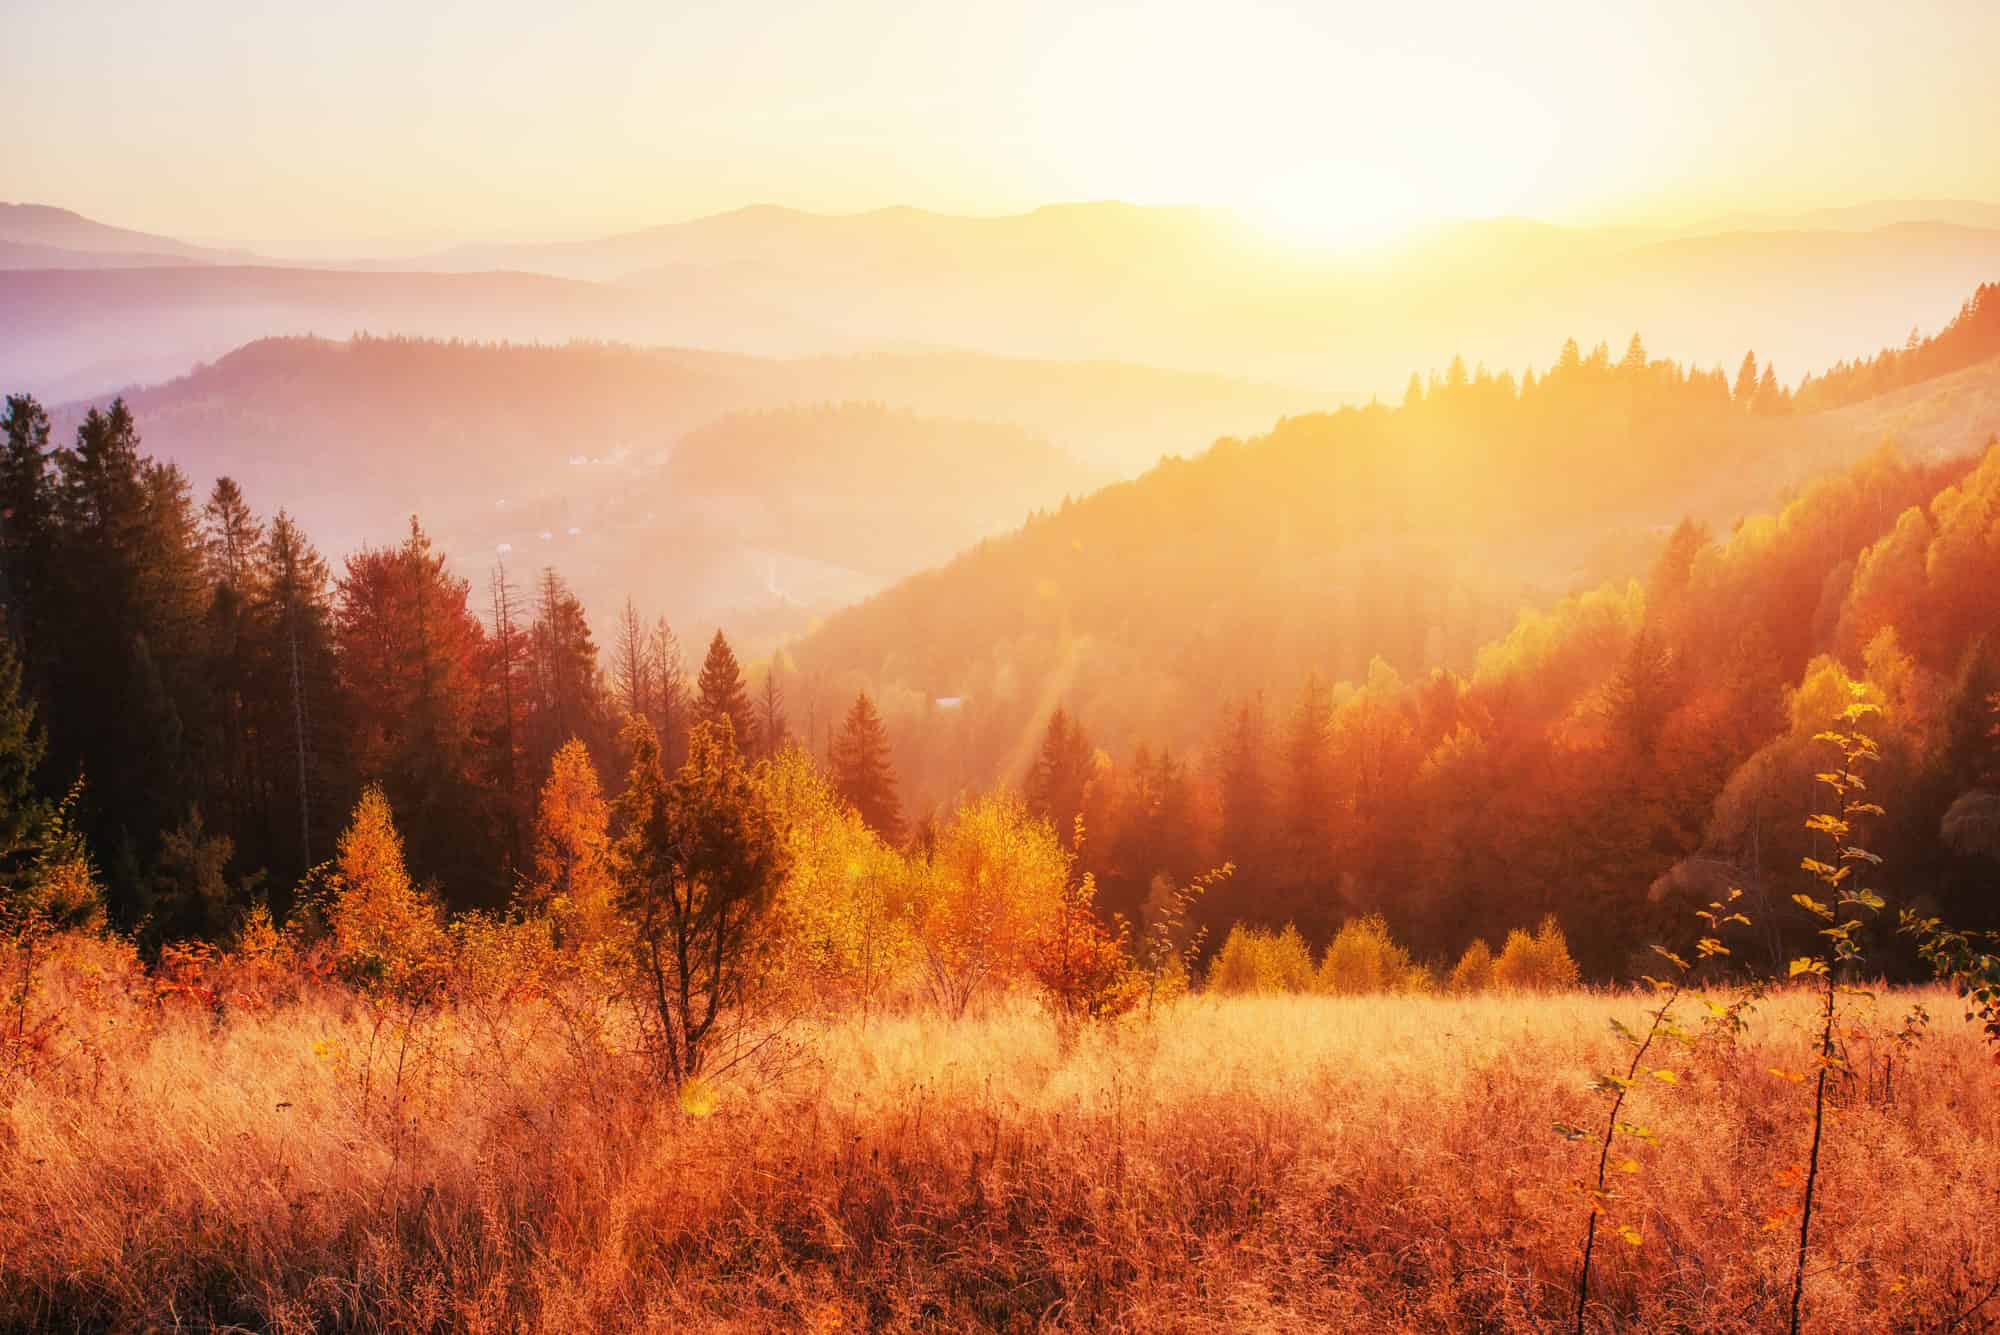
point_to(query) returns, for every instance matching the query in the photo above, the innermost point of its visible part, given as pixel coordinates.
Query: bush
(1256, 961)
(1364, 959)
(1538, 963)
(1474, 970)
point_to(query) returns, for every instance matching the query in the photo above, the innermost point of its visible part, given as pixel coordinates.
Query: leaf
(1630, 1234)
(1628, 1165)
(1811, 905)
(1806, 965)
(1667, 1077)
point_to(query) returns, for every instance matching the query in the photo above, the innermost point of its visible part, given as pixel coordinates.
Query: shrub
(1474, 970)
(386, 931)
(1256, 961)
(1538, 963)
(1364, 959)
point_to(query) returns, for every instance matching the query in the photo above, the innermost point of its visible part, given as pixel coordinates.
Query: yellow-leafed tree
(572, 881)
(386, 931)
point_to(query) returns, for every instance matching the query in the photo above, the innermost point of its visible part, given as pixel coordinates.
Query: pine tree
(671, 708)
(564, 662)
(21, 747)
(721, 694)
(1309, 757)
(1060, 775)
(632, 665)
(1246, 798)
(862, 772)
(231, 535)
(295, 713)
(412, 657)
(1746, 382)
(1634, 361)
(27, 519)
(772, 730)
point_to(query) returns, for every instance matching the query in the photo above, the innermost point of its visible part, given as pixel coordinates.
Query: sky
(396, 122)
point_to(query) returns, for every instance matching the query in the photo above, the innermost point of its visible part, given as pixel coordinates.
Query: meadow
(245, 1152)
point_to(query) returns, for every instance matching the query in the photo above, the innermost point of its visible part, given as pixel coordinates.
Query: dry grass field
(1228, 1164)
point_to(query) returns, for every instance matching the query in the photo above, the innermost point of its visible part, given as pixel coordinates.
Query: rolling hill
(790, 515)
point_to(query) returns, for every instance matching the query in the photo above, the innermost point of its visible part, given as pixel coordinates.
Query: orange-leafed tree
(1084, 968)
(572, 881)
(412, 655)
(386, 931)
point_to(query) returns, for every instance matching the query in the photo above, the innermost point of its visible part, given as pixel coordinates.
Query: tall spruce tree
(862, 772)
(721, 694)
(1060, 774)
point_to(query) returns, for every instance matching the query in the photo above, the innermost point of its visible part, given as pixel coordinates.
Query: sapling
(1841, 929)
(1717, 915)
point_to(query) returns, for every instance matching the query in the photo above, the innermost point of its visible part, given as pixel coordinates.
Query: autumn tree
(697, 861)
(995, 876)
(387, 932)
(840, 905)
(862, 772)
(412, 662)
(572, 879)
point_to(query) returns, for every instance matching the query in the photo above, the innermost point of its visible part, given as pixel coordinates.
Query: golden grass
(1294, 1163)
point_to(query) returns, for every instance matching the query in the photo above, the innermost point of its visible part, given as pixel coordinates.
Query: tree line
(217, 695)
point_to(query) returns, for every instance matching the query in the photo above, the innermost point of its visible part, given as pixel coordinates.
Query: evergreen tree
(1246, 797)
(772, 730)
(633, 670)
(1746, 382)
(564, 674)
(1310, 793)
(1634, 361)
(27, 520)
(1060, 775)
(862, 772)
(411, 657)
(294, 706)
(671, 709)
(721, 694)
(697, 861)
(21, 747)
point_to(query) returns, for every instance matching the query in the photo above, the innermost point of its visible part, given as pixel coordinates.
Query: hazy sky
(401, 120)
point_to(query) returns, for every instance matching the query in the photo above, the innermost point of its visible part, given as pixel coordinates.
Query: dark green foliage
(862, 772)
(697, 861)
(721, 694)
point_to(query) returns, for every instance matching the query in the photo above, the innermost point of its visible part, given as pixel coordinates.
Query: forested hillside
(1409, 534)
(1303, 655)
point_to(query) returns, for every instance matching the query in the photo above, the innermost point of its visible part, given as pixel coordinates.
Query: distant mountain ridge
(1187, 288)
(62, 233)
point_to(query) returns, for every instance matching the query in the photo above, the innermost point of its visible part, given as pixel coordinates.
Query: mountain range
(1177, 287)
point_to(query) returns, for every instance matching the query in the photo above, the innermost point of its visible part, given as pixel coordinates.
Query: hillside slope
(1411, 535)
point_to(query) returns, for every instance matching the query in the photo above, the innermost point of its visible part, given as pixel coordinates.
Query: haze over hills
(503, 444)
(1187, 288)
